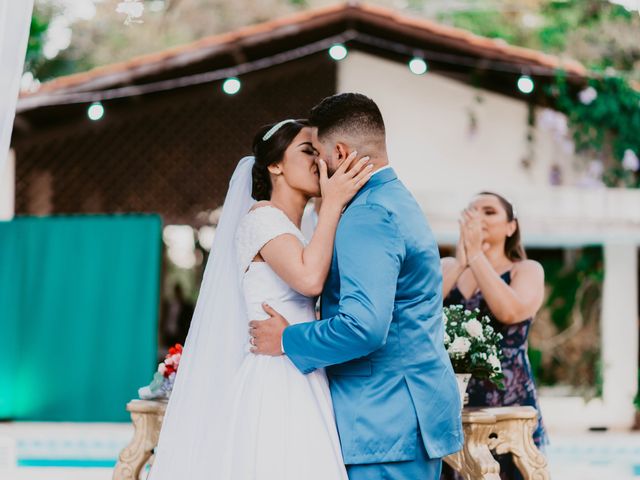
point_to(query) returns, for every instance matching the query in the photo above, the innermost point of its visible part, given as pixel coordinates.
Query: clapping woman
(492, 273)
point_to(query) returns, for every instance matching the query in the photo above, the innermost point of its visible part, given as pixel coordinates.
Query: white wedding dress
(280, 425)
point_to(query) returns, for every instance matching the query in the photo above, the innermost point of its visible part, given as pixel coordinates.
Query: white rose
(162, 368)
(495, 362)
(445, 319)
(473, 328)
(447, 338)
(460, 346)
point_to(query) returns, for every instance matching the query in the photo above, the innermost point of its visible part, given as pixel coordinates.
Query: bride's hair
(270, 151)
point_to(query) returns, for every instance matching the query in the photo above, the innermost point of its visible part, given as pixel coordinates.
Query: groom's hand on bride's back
(266, 335)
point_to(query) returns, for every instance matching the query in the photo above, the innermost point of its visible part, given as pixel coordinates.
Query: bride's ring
(252, 341)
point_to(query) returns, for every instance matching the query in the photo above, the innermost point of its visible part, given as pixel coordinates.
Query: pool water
(89, 452)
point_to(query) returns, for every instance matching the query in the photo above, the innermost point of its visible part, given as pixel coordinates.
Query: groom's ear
(341, 151)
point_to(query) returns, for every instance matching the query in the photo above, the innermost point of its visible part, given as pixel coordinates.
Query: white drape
(191, 440)
(15, 21)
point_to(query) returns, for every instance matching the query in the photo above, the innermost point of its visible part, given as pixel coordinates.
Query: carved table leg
(516, 436)
(474, 461)
(145, 438)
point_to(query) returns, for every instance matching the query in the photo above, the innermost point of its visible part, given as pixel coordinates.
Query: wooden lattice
(171, 153)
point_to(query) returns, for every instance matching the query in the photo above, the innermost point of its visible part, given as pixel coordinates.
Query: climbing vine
(604, 119)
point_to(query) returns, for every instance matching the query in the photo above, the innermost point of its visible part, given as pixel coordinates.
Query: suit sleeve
(370, 253)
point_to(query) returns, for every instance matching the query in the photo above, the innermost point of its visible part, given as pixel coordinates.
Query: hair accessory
(275, 128)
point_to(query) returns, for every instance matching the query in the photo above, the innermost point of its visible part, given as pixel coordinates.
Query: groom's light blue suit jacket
(381, 337)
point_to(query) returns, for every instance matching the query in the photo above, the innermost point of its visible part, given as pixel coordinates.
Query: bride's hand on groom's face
(266, 335)
(348, 178)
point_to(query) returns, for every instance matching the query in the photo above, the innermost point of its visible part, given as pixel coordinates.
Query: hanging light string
(344, 38)
(70, 98)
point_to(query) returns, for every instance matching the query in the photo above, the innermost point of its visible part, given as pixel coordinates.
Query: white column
(7, 187)
(619, 327)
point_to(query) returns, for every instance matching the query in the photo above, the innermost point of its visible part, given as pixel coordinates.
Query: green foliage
(488, 23)
(535, 359)
(41, 67)
(564, 282)
(607, 127)
(598, 33)
(561, 18)
(39, 26)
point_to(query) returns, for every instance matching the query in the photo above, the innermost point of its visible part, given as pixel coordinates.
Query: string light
(418, 66)
(95, 111)
(338, 52)
(525, 84)
(231, 86)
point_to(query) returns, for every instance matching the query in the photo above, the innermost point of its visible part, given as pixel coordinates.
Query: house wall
(429, 136)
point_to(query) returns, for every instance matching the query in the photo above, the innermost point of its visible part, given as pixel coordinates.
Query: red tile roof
(465, 41)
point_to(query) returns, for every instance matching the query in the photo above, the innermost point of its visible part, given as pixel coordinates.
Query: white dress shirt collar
(386, 167)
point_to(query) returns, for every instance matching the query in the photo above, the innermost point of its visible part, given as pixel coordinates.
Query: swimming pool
(89, 452)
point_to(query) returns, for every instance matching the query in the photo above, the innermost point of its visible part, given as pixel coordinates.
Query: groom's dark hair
(350, 113)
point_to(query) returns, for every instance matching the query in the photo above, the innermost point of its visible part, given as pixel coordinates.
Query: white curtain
(15, 21)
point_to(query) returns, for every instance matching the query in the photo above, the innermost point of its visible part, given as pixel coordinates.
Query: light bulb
(338, 52)
(525, 84)
(231, 86)
(95, 111)
(418, 66)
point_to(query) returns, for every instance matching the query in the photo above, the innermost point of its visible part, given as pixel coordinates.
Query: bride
(234, 415)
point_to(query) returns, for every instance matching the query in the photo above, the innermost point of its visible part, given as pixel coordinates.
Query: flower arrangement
(473, 344)
(162, 382)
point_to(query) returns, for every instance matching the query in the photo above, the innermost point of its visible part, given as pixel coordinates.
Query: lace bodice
(257, 228)
(259, 282)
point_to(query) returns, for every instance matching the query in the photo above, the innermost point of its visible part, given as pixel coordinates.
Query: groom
(394, 392)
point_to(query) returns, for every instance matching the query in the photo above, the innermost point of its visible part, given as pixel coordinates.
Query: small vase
(463, 383)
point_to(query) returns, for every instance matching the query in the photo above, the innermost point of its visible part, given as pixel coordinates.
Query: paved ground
(61, 451)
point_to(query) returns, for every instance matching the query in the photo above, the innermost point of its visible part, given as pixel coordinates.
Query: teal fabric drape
(78, 315)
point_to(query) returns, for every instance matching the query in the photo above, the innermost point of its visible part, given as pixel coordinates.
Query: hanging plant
(604, 118)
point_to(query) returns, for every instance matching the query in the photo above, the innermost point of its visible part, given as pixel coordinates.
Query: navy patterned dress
(518, 377)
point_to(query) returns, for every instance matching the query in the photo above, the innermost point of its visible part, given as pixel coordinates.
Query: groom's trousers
(421, 468)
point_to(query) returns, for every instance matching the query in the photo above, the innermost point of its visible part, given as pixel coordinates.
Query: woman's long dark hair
(270, 151)
(513, 248)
